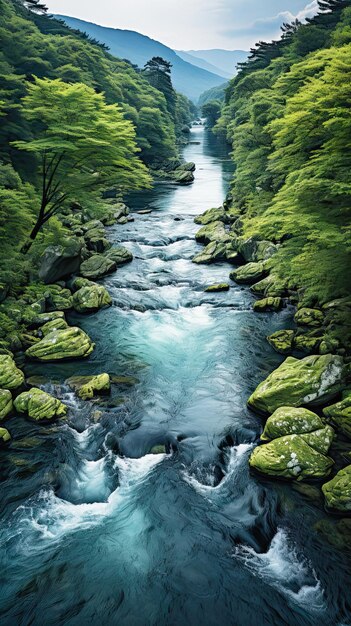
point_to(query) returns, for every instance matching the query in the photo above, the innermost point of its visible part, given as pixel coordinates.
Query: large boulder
(211, 215)
(254, 250)
(56, 324)
(288, 420)
(339, 415)
(96, 241)
(309, 381)
(183, 177)
(120, 255)
(309, 317)
(282, 341)
(5, 403)
(290, 457)
(211, 253)
(97, 266)
(91, 298)
(214, 231)
(268, 304)
(53, 298)
(39, 405)
(60, 261)
(337, 492)
(5, 436)
(88, 386)
(249, 273)
(69, 343)
(10, 376)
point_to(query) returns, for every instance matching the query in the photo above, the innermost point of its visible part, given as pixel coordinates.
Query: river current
(94, 528)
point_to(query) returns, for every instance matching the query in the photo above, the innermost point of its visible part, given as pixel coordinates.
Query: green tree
(82, 145)
(211, 111)
(157, 71)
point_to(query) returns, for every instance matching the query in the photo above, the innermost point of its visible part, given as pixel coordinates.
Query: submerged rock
(312, 380)
(337, 492)
(309, 317)
(159, 449)
(5, 436)
(119, 254)
(290, 457)
(91, 298)
(288, 420)
(10, 376)
(249, 273)
(39, 405)
(340, 415)
(58, 262)
(336, 532)
(268, 304)
(6, 403)
(97, 266)
(88, 386)
(282, 341)
(69, 343)
(217, 287)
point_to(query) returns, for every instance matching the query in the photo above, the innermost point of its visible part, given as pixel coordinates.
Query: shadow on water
(94, 527)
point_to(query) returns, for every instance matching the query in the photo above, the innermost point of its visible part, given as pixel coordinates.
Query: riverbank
(296, 440)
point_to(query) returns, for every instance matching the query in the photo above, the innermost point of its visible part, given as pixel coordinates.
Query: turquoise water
(97, 530)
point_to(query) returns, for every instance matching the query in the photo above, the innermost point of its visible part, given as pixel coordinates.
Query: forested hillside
(62, 97)
(287, 116)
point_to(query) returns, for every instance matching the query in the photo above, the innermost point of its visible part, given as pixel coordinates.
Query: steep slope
(224, 60)
(188, 79)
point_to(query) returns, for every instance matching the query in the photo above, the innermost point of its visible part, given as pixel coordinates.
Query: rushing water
(97, 530)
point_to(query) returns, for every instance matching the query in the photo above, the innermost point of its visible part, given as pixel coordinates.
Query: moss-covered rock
(43, 318)
(54, 297)
(5, 403)
(282, 341)
(158, 449)
(336, 532)
(217, 287)
(270, 286)
(183, 177)
(249, 273)
(88, 386)
(60, 261)
(215, 231)
(97, 266)
(5, 436)
(69, 343)
(10, 376)
(337, 492)
(307, 342)
(288, 420)
(290, 457)
(312, 380)
(321, 439)
(39, 405)
(309, 317)
(340, 415)
(91, 298)
(268, 304)
(57, 324)
(211, 253)
(95, 240)
(211, 215)
(254, 250)
(119, 254)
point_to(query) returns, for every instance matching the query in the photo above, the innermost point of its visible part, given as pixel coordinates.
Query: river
(97, 530)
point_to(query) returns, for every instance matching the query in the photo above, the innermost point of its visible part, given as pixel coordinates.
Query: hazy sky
(191, 24)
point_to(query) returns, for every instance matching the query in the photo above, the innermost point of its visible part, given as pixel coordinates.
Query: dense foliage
(64, 99)
(288, 117)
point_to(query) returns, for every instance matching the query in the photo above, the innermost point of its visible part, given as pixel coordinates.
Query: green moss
(91, 298)
(309, 317)
(10, 376)
(268, 304)
(39, 405)
(5, 436)
(5, 403)
(69, 343)
(337, 492)
(340, 415)
(282, 341)
(312, 380)
(217, 287)
(289, 420)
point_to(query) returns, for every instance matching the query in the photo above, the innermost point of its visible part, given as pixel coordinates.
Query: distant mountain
(223, 60)
(190, 58)
(189, 79)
